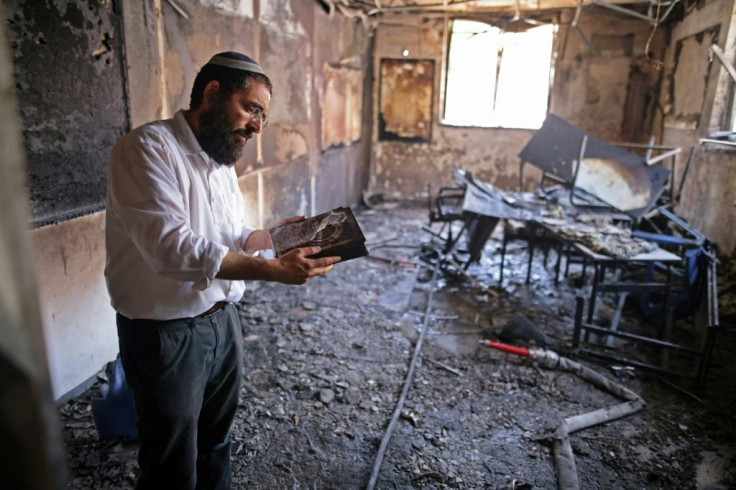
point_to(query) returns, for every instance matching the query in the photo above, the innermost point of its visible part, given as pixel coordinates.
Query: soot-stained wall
(589, 90)
(69, 82)
(287, 169)
(67, 57)
(696, 97)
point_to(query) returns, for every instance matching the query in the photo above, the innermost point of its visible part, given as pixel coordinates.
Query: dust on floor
(326, 364)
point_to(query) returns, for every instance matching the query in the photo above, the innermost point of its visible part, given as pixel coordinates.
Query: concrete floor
(326, 363)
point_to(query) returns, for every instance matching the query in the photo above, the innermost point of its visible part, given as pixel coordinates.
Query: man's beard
(217, 136)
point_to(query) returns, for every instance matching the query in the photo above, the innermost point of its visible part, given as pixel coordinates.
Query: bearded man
(178, 253)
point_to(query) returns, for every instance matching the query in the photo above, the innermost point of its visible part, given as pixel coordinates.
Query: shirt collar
(185, 135)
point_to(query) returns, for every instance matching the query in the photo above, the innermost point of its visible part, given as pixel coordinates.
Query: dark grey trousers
(185, 376)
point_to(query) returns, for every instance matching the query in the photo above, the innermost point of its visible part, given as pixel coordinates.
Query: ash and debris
(326, 362)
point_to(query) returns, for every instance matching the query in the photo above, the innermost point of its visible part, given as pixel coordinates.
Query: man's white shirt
(172, 216)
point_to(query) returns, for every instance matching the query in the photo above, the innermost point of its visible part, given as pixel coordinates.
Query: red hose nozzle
(519, 351)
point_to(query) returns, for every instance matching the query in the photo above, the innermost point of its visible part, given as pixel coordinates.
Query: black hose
(407, 385)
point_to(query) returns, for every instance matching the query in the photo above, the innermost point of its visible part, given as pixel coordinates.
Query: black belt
(215, 308)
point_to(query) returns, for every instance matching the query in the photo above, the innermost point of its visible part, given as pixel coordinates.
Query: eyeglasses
(256, 113)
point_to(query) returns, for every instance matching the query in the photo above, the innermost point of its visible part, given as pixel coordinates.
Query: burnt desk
(485, 205)
(615, 250)
(571, 229)
(630, 284)
(534, 209)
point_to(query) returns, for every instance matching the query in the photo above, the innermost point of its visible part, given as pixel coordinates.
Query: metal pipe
(644, 145)
(581, 154)
(418, 8)
(722, 58)
(663, 156)
(577, 14)
(641, 339)
(716, 142)
(585, 39)
(649, 148)
(669, 10)
(178, 9)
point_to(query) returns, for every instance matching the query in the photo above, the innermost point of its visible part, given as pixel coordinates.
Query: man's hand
(295, 267)
(261, 239)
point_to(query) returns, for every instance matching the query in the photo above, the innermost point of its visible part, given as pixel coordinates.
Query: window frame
(496, 124)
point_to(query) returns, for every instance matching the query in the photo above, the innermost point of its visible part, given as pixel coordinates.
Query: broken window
(497, 78)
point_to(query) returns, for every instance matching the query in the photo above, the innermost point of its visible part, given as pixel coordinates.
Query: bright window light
(496, 78)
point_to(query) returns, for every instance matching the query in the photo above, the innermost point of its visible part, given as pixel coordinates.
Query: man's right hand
(295, 267)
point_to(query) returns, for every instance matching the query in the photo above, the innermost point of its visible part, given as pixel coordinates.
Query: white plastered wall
(79, 323)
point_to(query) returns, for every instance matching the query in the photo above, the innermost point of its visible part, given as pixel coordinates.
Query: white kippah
(236, 64)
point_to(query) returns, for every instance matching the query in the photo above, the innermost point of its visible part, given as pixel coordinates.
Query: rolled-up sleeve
(147, 192)
(244, 238)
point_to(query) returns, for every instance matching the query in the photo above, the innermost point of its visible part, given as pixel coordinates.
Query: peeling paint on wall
(407, 91)
(404, 169)
(707, 200)
(290, 145)
(689, 79)
(341, 108)
(642, 97)
(279, 12)
(287, 61)
(709, 197)
(591, 90)
(238, 8)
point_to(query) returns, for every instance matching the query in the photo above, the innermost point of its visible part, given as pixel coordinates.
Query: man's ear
(211, 90)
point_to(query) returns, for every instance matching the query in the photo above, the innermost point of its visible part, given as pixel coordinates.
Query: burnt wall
(696, 97)
(609, 86)
(68, 71)
(73, 94)
(595, 89)
(298, 164)
(72, 78)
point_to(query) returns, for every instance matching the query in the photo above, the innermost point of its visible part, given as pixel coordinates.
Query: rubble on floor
(325, 364)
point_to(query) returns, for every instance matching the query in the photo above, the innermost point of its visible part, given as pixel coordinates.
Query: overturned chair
(449, 207)
(446, 208)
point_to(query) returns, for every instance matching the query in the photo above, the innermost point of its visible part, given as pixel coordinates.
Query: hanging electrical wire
(657, 64)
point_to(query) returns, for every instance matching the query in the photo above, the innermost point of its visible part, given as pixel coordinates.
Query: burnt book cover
(336, 231)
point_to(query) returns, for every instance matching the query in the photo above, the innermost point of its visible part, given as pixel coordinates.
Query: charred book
(336, 231)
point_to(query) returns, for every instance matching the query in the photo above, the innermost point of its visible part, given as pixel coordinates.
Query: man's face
(229, 123)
